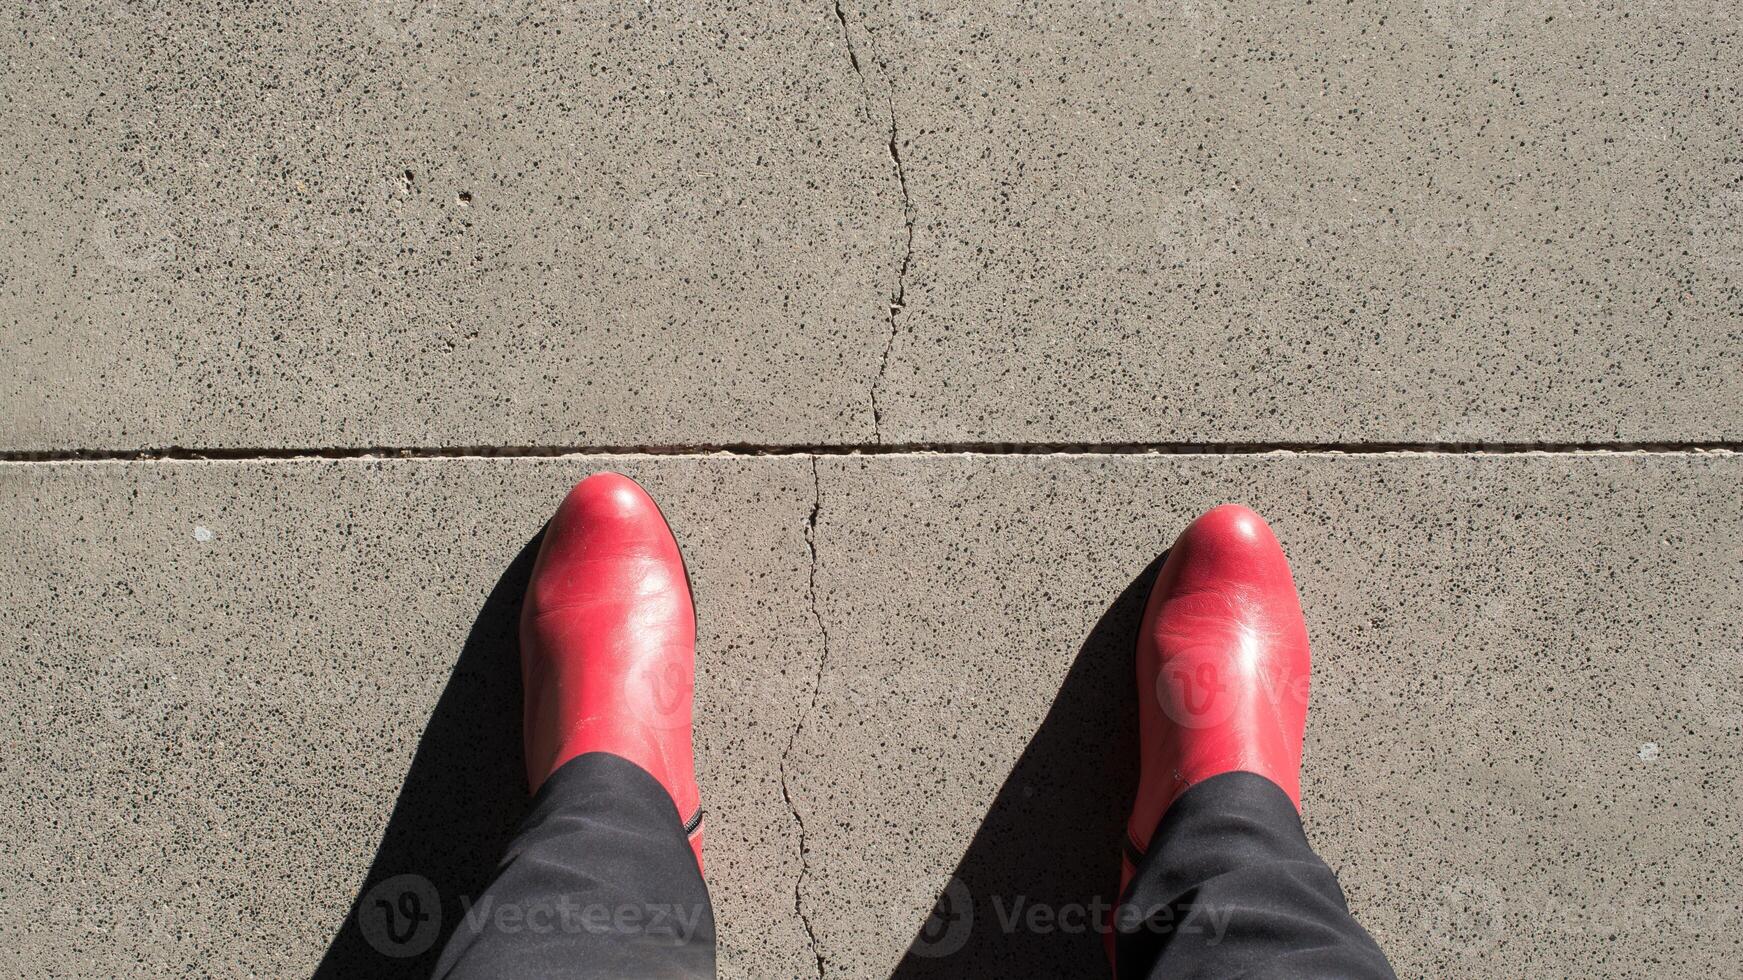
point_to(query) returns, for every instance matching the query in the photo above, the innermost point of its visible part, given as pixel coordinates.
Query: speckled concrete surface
(217, 674)
(1377, 220)
(235, 700)
(242, 693)
(1523, 753)
(476, 222)
(500, 223)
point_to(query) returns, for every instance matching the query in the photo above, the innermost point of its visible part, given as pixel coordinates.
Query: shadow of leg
(461, 799)
(1042, 871)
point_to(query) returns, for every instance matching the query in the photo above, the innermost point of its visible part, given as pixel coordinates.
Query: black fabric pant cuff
(1231, 888)
(599, 884)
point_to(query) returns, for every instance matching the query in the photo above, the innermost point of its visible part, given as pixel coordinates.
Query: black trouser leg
(599, 884)
(1230, 888)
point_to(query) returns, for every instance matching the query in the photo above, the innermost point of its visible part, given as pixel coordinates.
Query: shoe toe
(1230, 546)
(608, 538)
(605, 501)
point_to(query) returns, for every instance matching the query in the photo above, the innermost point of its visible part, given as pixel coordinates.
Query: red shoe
(608, 643)
(1222, 668)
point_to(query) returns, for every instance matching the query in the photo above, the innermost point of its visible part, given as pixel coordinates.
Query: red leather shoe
(608, 642)
(1222, 668)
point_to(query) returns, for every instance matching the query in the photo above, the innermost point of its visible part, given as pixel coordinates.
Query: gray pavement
(607, 223)
(412, 268)
(219, 674)
(375, 223)
(1523, 734)
(1522, 756)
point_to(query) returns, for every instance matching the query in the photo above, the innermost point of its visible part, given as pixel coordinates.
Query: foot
(1222, 668)
(608, 641)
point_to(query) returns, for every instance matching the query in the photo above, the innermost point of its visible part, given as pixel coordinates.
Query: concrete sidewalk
(929, 324)
(243, 692)
(501, 223)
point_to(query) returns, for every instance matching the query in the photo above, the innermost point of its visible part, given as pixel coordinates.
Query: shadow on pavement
(461, 799)
(1051, 839)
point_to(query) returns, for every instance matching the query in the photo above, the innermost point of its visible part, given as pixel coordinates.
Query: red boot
(608, 642)
(1222, 668)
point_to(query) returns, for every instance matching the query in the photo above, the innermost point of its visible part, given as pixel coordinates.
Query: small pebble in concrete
(1649, 752)
(203, 533)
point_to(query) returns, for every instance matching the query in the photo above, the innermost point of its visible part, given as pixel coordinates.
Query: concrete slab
(497, 223)
(1524, 754)
(467, 223)
(220, 676)
(242, 693)
(1257, 222)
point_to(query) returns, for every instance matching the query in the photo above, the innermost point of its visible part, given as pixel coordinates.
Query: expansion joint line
(268, 454)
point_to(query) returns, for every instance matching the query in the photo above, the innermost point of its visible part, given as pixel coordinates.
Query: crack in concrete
(899, 293)
(852, 52)
(804, 720)
(899, 300)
